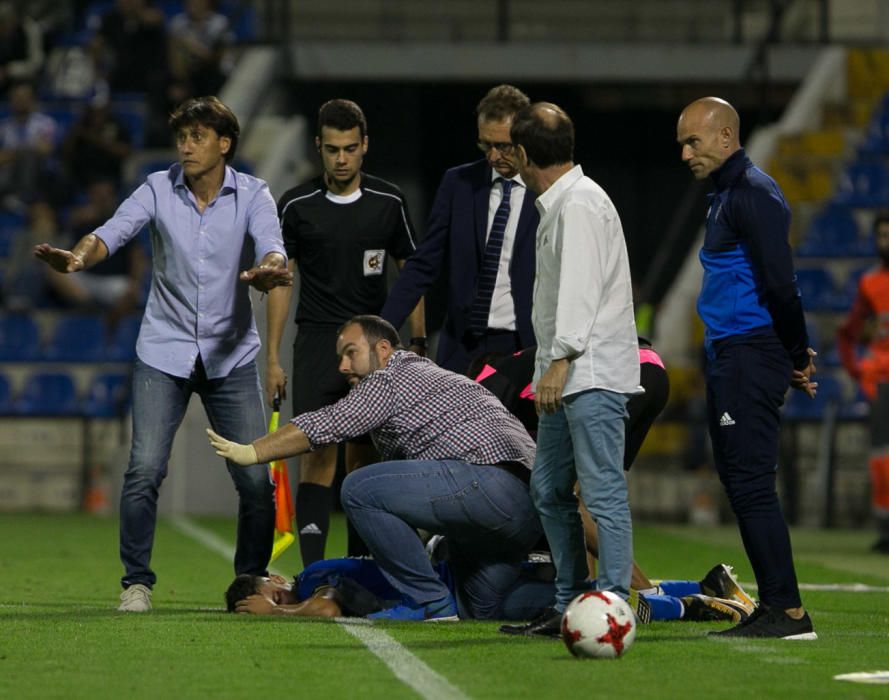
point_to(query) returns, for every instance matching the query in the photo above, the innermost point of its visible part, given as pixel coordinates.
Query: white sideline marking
(405, 666)
(839, 587)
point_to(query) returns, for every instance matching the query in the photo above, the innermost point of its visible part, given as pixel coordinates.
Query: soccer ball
(598, 624)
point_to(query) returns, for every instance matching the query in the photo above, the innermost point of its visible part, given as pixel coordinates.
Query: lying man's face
(276, 589)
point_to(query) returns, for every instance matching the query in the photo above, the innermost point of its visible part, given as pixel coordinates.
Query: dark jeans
(484, 511)
(746, 383)
(235, 410)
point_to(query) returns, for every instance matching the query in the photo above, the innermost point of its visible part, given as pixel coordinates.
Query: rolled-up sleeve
(134, 213)
(263, 224)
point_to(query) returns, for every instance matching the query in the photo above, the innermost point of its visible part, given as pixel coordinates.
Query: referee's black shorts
(316, 380)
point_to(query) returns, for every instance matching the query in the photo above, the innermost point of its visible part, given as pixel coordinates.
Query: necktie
(487, 275)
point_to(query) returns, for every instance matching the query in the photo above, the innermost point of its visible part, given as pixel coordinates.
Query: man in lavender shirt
(207, 222)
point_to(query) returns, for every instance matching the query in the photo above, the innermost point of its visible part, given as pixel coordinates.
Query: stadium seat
(799, 407)
(108, 396)
(833, 233)
(864, 184)
(817, 289)
(77, 338)
(122, 345)
(5, 396)
(19, 339)
(47, 394)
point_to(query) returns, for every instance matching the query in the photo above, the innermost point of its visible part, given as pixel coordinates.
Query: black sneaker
(720, 582)
(547, 624)
(771, 623)
(705, 608)
(881, 546)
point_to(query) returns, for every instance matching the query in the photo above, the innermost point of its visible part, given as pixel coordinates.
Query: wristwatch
(419, 342)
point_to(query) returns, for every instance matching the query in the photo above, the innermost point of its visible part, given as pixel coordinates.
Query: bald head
(708, 131)
(545, 133)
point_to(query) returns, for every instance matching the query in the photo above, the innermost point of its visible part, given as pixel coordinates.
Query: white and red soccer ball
(598, 624)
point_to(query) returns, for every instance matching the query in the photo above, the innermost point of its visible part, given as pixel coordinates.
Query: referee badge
(373, 262)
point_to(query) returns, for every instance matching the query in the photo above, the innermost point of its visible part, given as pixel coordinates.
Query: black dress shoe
(548, 624)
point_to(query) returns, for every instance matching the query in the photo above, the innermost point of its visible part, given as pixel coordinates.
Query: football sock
(665, 607)
(680, 589)
(313, 504)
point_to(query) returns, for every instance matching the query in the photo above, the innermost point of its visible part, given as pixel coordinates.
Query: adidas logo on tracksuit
(726, 420)
(311, 529)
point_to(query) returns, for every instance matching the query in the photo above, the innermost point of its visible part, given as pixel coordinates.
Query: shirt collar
(229, 181)
(547, 200)
(729, 171)
(516, 179)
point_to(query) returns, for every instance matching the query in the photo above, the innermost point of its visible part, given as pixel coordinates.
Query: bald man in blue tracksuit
(757, 346)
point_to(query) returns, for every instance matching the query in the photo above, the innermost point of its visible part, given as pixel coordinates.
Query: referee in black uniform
(339, 230)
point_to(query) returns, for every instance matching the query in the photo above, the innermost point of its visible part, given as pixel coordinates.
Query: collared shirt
(583, 298)
(197, 304)
(414, 409)
(502, 314)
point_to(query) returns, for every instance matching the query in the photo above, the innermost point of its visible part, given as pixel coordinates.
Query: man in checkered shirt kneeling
(455, 463)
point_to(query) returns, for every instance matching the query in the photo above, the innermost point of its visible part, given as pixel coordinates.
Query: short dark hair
(545, 132)
(501, 102)
(209, 112)
(341, 115)
(242, 587)
(374, 329)
(881, 218)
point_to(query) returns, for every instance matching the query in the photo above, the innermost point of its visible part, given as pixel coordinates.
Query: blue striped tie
(487, 275)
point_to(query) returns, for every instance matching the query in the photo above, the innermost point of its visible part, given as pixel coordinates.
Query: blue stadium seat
(19, 339)
(47, 394)
(77, 338)
(799, 407)
(122, 346)
(817, 289)
(832, 233)
(864, 184)
(108, 396)
(5, 396)
(7, 237)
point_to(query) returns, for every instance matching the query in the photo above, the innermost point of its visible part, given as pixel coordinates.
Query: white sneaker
(136, 598)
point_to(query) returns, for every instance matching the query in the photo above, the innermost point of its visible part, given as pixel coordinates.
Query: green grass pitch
(60, 636)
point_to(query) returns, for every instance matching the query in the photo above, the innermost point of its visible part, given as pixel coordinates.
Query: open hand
(265, 277)
(243, 455)
(58, 259)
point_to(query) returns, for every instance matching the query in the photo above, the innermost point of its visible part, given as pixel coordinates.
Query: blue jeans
(485, 513)
(235, 410)
(584, 441)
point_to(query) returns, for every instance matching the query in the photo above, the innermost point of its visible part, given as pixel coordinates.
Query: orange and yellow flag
(284, 510)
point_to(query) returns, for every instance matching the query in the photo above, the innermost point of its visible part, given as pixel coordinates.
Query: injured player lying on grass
(355, 587)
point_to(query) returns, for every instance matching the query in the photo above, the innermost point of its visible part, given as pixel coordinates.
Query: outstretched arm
(284, 442)
(88, 251)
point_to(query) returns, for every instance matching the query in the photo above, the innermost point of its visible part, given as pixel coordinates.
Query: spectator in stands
(868, 321)
(132, 43)
(198, 334)
(757, 346)
(96, 146)
(114, 285)
(199, 43)
(27, 141)
(25, 284)
(21, 47)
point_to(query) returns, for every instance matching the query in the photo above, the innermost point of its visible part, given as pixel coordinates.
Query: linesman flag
(284, 511)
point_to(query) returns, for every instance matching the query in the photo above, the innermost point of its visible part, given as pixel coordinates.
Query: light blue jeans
(584, 441)
(235, 410)
(485, 513)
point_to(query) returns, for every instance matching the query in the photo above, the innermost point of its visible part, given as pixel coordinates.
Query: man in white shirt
(587, 361)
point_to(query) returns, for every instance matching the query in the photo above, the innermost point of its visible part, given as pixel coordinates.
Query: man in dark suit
(481, 229)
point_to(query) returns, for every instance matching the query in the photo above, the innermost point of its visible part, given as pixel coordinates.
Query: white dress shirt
(583, 299)
(502, 315)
